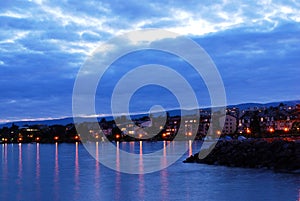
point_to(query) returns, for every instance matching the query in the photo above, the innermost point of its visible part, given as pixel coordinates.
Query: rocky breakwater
(281, 156)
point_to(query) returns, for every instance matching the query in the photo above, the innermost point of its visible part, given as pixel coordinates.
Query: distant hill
(63, 121)
(68, 120)
(245, 106)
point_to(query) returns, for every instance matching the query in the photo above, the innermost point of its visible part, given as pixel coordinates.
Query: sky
(255, 45)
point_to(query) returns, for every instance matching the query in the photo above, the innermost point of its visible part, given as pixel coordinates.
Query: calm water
(68, 172)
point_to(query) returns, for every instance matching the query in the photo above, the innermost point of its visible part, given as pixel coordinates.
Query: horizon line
(2, 121)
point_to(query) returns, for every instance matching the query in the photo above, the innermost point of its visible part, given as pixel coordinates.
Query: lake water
(67, 172)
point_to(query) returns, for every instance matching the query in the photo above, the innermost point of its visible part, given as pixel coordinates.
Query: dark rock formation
(281, 156)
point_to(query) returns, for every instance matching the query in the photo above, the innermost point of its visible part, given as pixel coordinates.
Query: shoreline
(278, 155)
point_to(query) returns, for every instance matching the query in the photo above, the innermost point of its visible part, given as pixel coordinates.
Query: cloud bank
(43, 44)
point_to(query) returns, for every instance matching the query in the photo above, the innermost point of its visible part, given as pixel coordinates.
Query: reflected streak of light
(164, 158)
(4, 159)
(56, 167)
(141, 164)
(38, 165)
(190, 148)
(38, 170)
(77, 173)
(164, 175)
(97, 160)
(97, 172)
(141, 175)
(76, 167)
(5, 170)
(4, 162)
(20, 170)
(118, 173)
(118, 156)
(56, 174)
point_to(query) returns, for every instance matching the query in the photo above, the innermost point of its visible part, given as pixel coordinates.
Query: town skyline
(256, 121)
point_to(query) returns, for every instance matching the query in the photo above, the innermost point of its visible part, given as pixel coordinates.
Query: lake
(68, 172)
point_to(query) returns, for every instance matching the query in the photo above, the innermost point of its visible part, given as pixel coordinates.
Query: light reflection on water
(56, 174)
(68, 172)
(4, 161)
(118, 174)
(77, 171)
(20, 165)
(141, 176)
(38, 172)
(4, 175)
(20, 170)
(190, 148)
(164, 175)
(97, 179)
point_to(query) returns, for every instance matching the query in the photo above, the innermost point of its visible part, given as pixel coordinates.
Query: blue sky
(255, 45)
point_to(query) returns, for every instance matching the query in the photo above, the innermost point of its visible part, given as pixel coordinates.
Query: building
(230, 125)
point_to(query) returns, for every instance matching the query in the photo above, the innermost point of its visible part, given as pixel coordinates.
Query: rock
(278, 155)
(190, 159)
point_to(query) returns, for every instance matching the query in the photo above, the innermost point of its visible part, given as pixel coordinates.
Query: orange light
(248, 131)
(20, 139)
(286, 129)
(37, 139)
(56, 138)
(117, 136)
(219, 132)
(190, 133)
(76, 137)
(164, 135)
(97, 136)
(140, 135)
(271, 130)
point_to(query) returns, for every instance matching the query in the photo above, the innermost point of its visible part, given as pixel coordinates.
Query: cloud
(260, 66)
(43, 44)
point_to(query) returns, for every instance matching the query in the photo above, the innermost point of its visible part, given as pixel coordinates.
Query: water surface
(67, 172)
